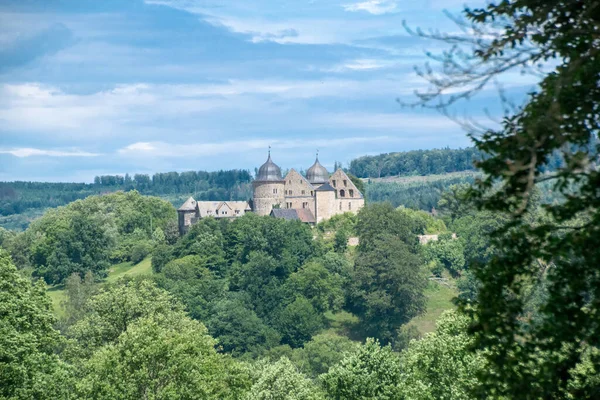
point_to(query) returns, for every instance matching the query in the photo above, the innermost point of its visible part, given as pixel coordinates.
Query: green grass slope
(144, 267)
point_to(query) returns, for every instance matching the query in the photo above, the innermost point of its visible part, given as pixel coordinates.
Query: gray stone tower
(269, 188)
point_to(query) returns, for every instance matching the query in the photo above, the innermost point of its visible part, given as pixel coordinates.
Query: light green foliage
(77, 293)
(426, 222)
(158, 236)
(115, 307)
(322, 288)
(386, 287)
(282, 381)
(322, 352)
(154, 360)
(29, 367)
(448, 252)
(441, 366)
(88, 234)
(372, 372)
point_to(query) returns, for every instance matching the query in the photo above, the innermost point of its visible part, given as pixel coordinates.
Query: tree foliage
(558, 40)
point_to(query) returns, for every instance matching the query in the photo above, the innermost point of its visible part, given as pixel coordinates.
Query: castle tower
(317, 174)
(269, 188)
(186, 215)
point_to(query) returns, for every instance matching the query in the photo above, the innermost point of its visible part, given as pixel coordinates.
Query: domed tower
(317, 174)
(269, 188)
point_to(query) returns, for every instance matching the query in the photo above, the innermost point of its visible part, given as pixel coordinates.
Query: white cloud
(376, 7)
(29, 152)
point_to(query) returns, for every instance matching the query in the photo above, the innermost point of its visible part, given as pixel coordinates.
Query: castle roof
(317, 173)
(289, 214)
(269, 171)
(305, 215)
(326, 187)
(189, 205)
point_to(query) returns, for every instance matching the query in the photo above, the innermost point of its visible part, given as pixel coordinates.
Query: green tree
(372, 372)
(153, 360)
(298, 321)
(114, 308)
(386, 287)
(78, 291)
(29, 366)
(441, 365)
(239, 330)
(282, 381)
(560, 116)
(382, 219)
(322, 352)
(322, 288)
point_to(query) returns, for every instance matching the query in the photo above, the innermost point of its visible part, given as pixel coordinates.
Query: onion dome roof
(269, 171)
(317, 173)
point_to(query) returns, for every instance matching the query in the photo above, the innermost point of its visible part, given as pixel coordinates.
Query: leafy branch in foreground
(558, 40)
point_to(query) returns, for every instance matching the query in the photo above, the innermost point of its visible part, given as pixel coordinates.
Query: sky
(90, 87)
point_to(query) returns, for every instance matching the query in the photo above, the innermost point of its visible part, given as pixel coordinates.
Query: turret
(269, 188)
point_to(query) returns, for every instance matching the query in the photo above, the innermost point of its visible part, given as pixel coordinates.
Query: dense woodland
(263, 308)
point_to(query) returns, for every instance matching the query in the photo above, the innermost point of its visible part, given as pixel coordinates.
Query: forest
(102, 299)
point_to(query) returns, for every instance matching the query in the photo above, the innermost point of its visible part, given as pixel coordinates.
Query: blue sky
(90, 87)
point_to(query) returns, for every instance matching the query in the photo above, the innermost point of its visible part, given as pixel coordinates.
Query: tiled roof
(305, 215)
(285, 213)
(326, 187)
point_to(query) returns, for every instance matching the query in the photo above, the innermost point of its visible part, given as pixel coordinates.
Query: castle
(310, 199)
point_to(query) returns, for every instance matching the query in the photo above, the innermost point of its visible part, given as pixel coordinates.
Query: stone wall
(267, 195)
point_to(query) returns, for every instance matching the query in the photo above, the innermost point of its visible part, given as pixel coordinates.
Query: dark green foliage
(18, 197)
(239, 329)
(416, 195)
(386, 287)
(382, 219)
(559, 249)
(298, 322)
(417, 162)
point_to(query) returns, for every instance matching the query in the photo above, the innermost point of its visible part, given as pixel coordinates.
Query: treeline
(416, 195)
(19, 197)
(416, 162)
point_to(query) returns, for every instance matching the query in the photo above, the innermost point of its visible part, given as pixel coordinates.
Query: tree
(560, 116)
(319, 286)
(29, 366)
(441, 365)
(386, 287)
(239, 330)
(298, 321)
(382, 219)
(78, 291)
(114, 308)
(158, 361)
(371, 372)
(322, 352)
(282, 381)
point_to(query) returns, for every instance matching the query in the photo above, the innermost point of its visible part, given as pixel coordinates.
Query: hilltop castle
(311, 199)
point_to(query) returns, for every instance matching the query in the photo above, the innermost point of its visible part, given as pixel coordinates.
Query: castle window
(290, 192)
(290, 182)
(345, 183)
(340, 205)
(237, 211)
(274, 191)
(351, 192)
(342, 193)
(349, 205)
(305, 205)
(333, 181)
(303, 192)
(311, 193)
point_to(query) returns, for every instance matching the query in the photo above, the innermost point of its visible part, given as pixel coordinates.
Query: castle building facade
(312, 199)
